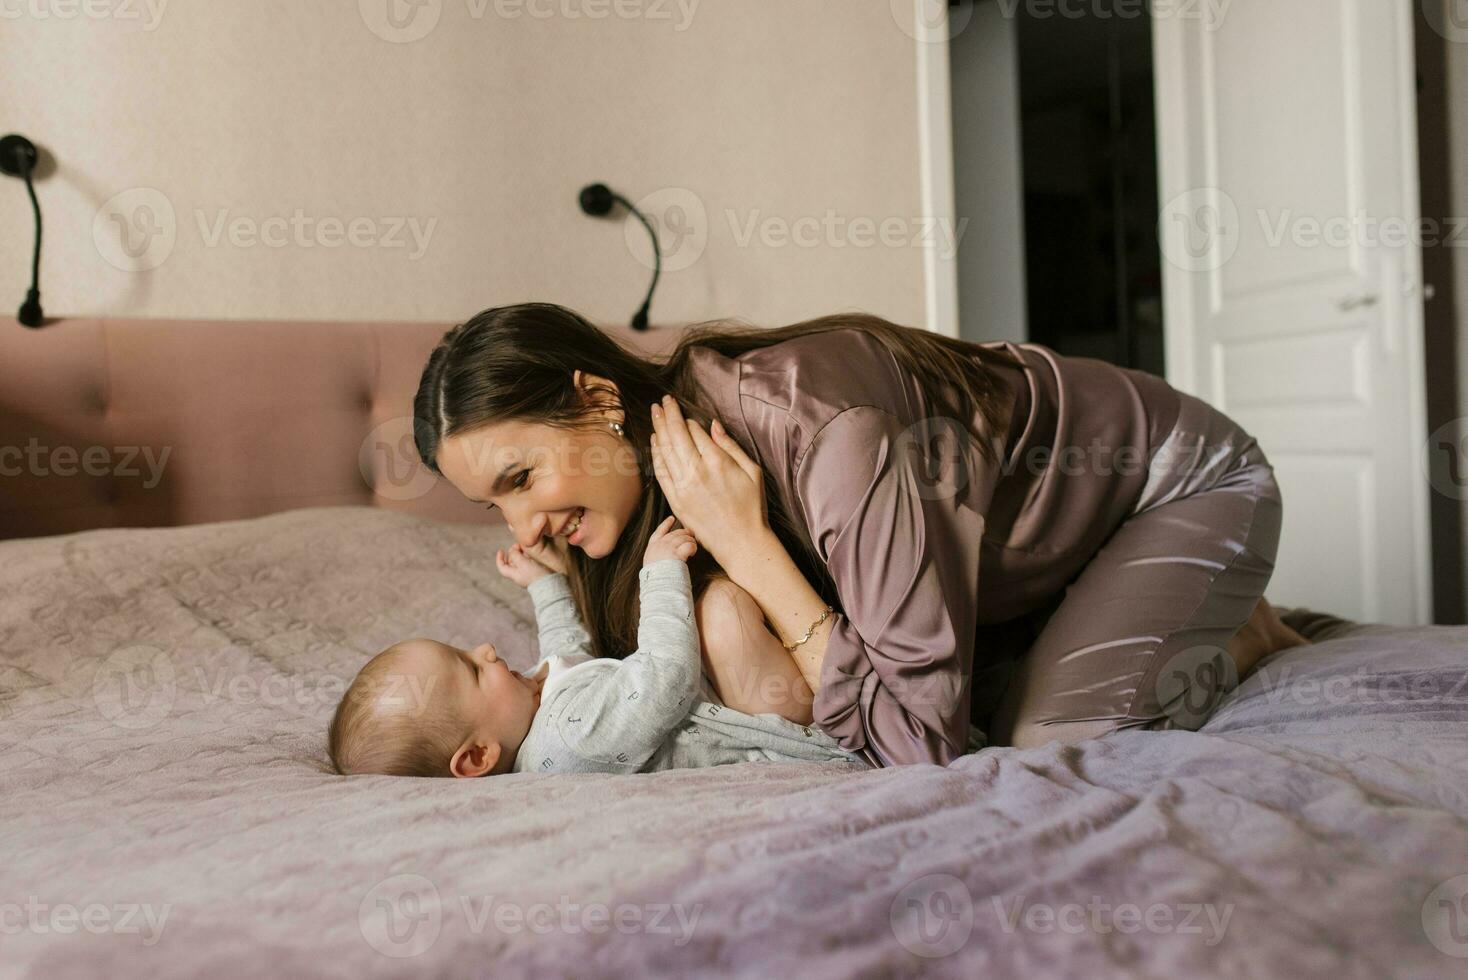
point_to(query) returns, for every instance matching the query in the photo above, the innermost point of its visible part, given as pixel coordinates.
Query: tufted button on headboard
(131, 423)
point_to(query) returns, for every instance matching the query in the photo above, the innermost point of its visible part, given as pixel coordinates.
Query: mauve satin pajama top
(920, 563)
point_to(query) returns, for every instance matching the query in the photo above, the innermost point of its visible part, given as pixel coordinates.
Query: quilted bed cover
(167, 808)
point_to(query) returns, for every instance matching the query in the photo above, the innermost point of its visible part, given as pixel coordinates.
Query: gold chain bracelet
(808, 633)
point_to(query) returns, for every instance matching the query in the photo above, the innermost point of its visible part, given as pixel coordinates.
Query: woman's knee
(1029, 735)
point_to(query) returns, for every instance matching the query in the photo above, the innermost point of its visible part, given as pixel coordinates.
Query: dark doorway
(1092, 263)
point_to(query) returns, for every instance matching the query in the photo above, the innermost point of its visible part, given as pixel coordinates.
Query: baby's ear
(474, 759)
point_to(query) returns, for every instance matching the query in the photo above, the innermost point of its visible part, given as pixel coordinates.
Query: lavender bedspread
(166, 808)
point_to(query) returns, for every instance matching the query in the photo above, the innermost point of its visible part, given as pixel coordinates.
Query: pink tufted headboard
(108, 423)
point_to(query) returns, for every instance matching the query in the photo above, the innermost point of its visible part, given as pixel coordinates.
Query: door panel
(1287, 150)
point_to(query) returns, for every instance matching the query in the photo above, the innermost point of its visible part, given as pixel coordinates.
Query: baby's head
(423, 708)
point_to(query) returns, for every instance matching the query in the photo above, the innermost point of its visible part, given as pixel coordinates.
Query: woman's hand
(716, 491)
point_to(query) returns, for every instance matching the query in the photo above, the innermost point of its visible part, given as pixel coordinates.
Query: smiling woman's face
(582, 485)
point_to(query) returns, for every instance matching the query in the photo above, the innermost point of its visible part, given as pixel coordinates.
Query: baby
(422, 708)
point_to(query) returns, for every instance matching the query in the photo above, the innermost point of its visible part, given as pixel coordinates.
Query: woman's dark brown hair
(518, 362)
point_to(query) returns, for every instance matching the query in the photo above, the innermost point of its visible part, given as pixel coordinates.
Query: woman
(926, 531)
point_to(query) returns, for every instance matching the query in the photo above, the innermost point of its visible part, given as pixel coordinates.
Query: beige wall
(478, 134)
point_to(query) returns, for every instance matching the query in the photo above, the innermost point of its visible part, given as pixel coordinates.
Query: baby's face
(479, 690)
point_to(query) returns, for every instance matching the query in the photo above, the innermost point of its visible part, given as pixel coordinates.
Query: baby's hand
(550, 553)
(517, 566)
(666, 543)
(540, 674)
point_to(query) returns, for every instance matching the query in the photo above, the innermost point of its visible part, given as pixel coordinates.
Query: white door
(1292, 276)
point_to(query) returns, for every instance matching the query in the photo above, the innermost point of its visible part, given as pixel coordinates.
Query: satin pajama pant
(1138, 638)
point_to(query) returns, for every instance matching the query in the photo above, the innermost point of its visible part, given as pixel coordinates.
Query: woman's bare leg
(750, 669)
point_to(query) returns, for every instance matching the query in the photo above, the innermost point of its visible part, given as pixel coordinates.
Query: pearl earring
(617, 428)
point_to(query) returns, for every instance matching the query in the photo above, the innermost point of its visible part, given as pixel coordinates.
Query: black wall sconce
(18, 159)
(597, 200)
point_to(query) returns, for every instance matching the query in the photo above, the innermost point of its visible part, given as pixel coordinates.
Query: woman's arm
(717, 491)
(764, 569)
(902, 546)
(892, 675)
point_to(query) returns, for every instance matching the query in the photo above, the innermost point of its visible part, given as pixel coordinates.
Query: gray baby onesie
(645, 713)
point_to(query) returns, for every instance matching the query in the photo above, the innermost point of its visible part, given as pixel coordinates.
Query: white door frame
(930, 28)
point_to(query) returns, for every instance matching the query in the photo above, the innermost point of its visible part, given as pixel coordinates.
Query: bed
(167, 808)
